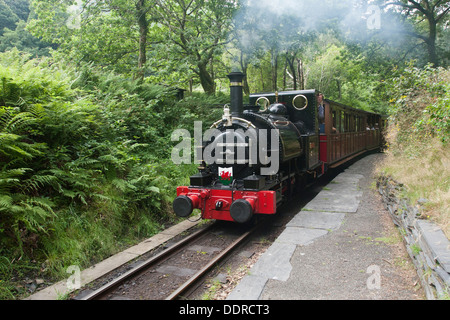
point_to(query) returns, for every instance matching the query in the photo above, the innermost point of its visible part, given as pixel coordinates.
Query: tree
(20, 7)
(137, 10)
(21, 39)
(112, 33)
(247, 45)
(15, 35)
(294, 40)
(433, 13)
(8, 18)
(197, 31)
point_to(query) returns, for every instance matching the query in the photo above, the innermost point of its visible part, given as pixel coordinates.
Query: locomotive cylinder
(237, 95)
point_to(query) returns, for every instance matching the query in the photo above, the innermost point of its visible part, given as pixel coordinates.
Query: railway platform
(341, 246)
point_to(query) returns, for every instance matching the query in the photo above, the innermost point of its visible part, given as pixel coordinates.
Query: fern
(82, 153)
(11, 178)
(37, 182)
(21, 211)
(5, 202)
(12, 144)
(20, 122)
(33, 212)
(123, 185)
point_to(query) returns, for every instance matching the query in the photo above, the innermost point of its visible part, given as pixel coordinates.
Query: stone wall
(427, 245)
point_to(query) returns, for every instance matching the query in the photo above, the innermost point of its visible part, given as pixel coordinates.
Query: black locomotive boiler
(260, 153)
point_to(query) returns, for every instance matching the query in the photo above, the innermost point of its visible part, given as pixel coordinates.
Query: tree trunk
(291, 64)
(143, 31)
(432, 54)
(339, 87)
(206, 80)
(301, 74)
(274, 70)
(244, 67)
(262, 78)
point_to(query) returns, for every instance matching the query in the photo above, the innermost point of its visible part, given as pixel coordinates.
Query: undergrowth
(418, 139)
(85, 165)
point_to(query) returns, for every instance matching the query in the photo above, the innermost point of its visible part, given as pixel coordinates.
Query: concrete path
(341, 245)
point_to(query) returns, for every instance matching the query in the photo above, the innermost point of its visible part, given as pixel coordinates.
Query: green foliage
(437, 115)
(8, 18)
(21, 39)
(19, 7)
(85, 159)
(13, 34)
(418, 138)
(420, 104)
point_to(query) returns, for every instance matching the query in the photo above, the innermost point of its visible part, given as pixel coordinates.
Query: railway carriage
(348, 132)
(236, 181)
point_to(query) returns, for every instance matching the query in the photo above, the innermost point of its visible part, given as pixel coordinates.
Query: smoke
(351, 20)
(310, 14)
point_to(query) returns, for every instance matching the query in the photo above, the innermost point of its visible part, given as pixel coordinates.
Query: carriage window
(334, 119)
(347, 127)
(345, 122)
(340, 121)
(370, 123)
(377, 124)
(349, 123)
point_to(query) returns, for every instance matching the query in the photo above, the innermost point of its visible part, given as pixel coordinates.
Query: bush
(420, 103)
(85, 162)
(418, 139)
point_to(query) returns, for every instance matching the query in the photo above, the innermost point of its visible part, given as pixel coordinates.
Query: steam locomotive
(260, 155)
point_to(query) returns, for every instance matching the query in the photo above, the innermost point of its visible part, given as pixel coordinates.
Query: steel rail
(185, 286)
(145, 265)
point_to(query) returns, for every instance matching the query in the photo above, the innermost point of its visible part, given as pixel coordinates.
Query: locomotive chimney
(236, 91)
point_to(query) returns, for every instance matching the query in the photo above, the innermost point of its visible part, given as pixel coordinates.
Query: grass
(418, 140)
(423, 167)
(67, 246)
(213, 288)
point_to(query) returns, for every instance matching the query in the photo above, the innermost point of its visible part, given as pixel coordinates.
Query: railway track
(172, 273)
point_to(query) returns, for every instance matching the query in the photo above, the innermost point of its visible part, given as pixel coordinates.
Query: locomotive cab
(301, 112)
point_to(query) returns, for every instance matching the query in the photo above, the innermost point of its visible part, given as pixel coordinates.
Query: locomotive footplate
(228, 205)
